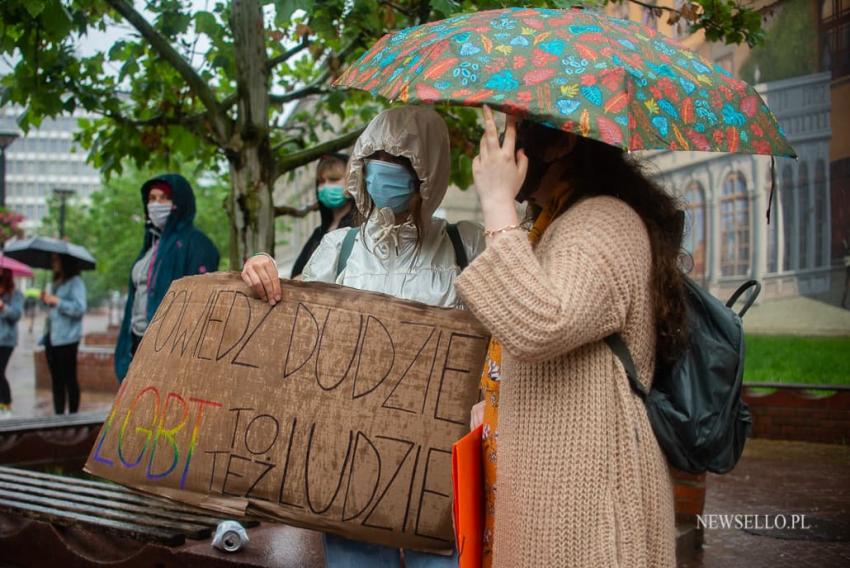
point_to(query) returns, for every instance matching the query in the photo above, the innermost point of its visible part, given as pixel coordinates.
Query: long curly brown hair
(594, 168)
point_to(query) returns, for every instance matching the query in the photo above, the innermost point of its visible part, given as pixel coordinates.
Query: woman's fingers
(254, 282)
(522, 164)
(510, 134)
(491, 133)
(272, 281)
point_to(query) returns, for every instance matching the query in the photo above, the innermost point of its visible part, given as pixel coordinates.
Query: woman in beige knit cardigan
(581, 479)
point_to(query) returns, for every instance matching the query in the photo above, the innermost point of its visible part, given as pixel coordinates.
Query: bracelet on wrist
(505, 229)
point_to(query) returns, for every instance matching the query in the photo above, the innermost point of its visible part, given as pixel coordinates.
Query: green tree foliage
(790, 46)
(111, 227)
(215, 85)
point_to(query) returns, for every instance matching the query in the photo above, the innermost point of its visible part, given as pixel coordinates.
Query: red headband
(162, 186)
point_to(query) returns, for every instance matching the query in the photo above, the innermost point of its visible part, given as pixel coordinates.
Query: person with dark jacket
(335, 207)
(173, 248)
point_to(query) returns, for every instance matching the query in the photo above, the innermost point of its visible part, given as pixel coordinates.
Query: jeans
(62, 362)
(345, 553)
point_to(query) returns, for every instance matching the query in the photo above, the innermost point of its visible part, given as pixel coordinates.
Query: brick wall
(806, 413)
(95, 371)
(106, 338)
(689, 493)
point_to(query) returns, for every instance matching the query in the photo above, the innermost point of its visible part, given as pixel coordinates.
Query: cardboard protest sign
(336, 409)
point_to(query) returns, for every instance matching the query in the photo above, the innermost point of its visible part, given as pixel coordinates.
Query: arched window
(786, 198)
(694, 241)
(821, 225)
(804, 216)
(735, 226)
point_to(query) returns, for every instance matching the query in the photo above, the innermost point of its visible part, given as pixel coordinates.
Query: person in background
(336, 209)
(398, 176)
(173, 248)
(11, 306)
(64, 330)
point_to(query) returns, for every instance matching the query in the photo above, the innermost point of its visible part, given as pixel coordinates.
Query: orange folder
(468, 485)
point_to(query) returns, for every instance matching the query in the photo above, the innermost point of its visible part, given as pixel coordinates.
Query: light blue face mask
(389, 185)
(332, 196)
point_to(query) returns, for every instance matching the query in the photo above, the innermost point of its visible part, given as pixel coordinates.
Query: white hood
(417, 133)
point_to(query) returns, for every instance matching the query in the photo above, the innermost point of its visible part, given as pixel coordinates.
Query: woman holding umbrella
(67, 306)
(11, 306)
(581, 479)
(64, 329)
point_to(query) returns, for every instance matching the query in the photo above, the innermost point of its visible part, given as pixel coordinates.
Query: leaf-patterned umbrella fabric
(605, 78)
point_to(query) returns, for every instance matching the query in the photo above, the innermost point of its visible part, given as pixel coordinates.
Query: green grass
(791, 359)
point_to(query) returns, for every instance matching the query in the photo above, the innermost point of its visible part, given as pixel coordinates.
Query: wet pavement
(780, 479)
(28, 401)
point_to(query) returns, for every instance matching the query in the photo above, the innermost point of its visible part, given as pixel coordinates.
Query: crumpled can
(230, 536)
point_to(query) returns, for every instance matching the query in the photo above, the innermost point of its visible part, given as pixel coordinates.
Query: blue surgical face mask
(389, 185)
(332, 195)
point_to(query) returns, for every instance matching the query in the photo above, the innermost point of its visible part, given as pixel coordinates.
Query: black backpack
(348, 243)
(695, 409)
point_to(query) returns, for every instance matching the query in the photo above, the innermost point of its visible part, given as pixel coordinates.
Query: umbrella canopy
(17, 268)
(37, 252)
(605, 78)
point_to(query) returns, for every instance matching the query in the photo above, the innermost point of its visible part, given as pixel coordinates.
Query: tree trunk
(249, 151)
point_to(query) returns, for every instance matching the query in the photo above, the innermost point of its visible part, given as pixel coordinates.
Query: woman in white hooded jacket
(398, 175)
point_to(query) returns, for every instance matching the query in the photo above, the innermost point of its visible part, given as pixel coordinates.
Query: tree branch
(287, 211)
(283, 57)
(158, 120)
(294, 160)
(169, 54)
(656, 7)
(407, 12)
(313, 88)
(229, 101)
(298, 141)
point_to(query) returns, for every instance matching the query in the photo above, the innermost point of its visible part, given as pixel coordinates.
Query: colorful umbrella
(17, 268)
(604, 78)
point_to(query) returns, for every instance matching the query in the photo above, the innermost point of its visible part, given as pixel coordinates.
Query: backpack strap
(750, 299)
(621, 350)
(460, 252)
(345, 251)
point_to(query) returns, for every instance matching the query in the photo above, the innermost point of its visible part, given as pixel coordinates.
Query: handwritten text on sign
(335, 409)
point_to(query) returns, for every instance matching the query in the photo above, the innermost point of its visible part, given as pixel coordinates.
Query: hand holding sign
(334, 409)
(260, 273)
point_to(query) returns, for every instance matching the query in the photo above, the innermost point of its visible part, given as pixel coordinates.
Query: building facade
(726, 199)
(803, 249)
(42, 160)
